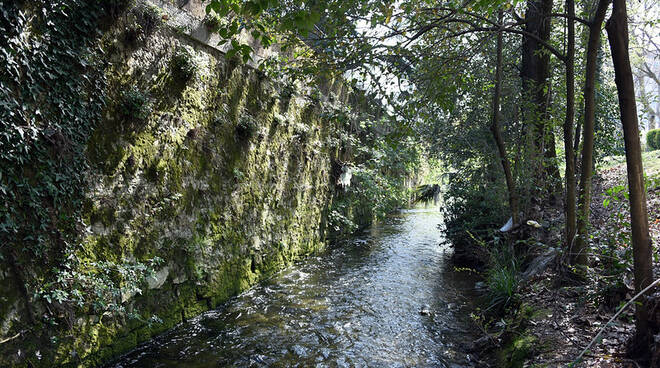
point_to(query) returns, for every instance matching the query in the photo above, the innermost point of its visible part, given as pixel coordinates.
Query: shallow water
(356, 305)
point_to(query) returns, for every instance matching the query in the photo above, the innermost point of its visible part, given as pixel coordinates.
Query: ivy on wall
(52, 96)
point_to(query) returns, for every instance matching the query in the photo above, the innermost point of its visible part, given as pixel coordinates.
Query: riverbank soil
(559, 316)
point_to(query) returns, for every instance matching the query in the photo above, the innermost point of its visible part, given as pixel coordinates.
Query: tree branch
(575, 18)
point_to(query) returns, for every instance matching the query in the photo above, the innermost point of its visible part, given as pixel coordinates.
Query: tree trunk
(535, 72)
(617, 31)
(552, 174)
(578, 251)
(495, 129)
(586, 8)
(569, 202)
(576, 144)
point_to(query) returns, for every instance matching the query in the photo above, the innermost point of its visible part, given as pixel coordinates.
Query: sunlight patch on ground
(651, 162)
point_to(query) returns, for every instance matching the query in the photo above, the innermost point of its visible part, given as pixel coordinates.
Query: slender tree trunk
(617, 31)
(578, 251)
(569, 202)
(495, 129)
(586, 8)
(576, 143)
(598, 123)
(535, 72)
(552, 174)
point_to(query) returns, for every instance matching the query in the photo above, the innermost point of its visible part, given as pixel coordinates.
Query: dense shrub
(478, 205)
(653, 139)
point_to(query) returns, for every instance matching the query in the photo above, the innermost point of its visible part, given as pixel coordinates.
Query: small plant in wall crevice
(182, 66)
(142, 22)
(238, 174)
(135, 107)
(246, 128)
(149, 17)
(213, 22)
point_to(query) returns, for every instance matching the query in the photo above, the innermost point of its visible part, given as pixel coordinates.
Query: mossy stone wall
(200, 161)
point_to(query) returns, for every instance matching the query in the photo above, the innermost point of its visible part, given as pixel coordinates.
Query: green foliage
(182, 66)
(461, 139)
(378, 172)
(135, 106)
(427, 193)
(262, 19)
(519, 349)
(53, 93)
(613, 251)
(238, 174)
(608, 139)
(150, 18)
(213, 21)
(476, 205)
(338, 220)
(142, 22)
(101, 288)
(378, 195)
(502, 277)
(370, 197)
(246, 128)
(653, 139)
(512, 330)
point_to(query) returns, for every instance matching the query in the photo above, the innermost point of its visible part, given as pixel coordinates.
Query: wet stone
(425, 310)
(300, 351)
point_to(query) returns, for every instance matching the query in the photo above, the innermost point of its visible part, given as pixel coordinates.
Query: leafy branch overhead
(263, 20)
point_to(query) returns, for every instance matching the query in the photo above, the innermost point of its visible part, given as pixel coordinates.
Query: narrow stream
(357, 305)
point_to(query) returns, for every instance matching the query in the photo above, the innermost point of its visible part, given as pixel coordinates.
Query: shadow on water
(357, 305)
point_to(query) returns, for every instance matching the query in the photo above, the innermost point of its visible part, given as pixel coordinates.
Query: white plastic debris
(507, 226)
(345, 177)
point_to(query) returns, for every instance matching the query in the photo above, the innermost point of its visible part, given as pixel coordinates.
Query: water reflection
(357, 305)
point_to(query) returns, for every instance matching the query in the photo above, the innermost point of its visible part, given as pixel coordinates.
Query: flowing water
(361, 304)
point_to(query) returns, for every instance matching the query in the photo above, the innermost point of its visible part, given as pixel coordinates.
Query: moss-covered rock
(515, 354)
(521, 345)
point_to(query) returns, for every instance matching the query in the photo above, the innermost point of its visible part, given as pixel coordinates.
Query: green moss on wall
(198, 161)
